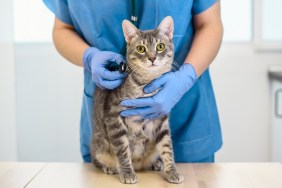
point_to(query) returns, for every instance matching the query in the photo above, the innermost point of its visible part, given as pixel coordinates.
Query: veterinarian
(89, 34)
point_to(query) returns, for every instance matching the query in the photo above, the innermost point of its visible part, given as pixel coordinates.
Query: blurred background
(40, 92)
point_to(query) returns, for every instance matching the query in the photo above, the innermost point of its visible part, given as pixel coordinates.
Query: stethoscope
(122, 67)
(134, 12)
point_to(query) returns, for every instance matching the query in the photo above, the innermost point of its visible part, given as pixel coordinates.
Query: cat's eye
(160, 47)
(141, 49)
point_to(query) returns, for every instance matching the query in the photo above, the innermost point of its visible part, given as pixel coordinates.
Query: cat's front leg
(164, 148)
(120, 145)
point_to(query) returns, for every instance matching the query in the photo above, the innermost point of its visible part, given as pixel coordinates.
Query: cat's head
(149, 53)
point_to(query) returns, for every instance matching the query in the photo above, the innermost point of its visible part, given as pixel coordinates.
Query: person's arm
(207, 39)
(71, 46)
(68, 43)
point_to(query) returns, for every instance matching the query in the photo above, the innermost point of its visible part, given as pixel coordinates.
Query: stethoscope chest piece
(123, 67)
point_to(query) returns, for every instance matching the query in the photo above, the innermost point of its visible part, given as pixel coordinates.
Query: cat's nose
(152, 59)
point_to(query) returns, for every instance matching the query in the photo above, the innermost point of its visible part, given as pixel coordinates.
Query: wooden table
(218, 175)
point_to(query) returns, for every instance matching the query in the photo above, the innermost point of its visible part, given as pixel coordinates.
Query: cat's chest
(132, 89)
(141, 130)
(137, 92)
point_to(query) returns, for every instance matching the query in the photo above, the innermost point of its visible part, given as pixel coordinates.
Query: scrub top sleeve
(60, 9)
(200, 6)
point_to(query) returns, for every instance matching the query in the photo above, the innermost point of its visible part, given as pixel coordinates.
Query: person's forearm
(69, 44)
(205, 46)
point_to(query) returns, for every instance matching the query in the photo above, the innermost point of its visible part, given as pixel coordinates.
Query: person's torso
(100, 24)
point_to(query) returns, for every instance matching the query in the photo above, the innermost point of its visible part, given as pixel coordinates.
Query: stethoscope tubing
(134, 12)
(122, 67)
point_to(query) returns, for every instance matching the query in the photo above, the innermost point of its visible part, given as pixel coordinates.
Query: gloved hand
(173, 86)
(96, 61)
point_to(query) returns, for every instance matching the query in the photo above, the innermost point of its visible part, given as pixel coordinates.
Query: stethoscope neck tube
(134, 19)
(135, 12)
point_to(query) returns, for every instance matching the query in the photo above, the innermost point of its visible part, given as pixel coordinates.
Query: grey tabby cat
(123, 145)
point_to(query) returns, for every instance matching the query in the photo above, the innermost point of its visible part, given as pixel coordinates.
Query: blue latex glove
(172, 85)
(96, 62)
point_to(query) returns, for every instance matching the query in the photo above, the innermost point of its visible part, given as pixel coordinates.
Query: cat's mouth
(153, 65)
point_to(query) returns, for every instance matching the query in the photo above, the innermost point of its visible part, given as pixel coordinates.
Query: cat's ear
(166, 27)
(129, 31)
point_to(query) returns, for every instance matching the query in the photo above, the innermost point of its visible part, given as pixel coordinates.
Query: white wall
(49, 93)
(8, 146)
(242, 91)
(33, 21)
(276, 114)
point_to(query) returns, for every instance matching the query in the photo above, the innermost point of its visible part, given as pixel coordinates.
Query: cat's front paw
(109, 170)
(128, 178)
(173, 176)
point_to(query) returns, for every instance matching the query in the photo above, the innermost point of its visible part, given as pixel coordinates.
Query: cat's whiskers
(175, 63)
(170, 66)
(133, 68)
(142, 79)
(131, 65)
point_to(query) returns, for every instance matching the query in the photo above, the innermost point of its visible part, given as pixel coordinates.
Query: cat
(123, 145)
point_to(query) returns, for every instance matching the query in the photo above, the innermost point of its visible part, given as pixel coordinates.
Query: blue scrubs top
(194, 120)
